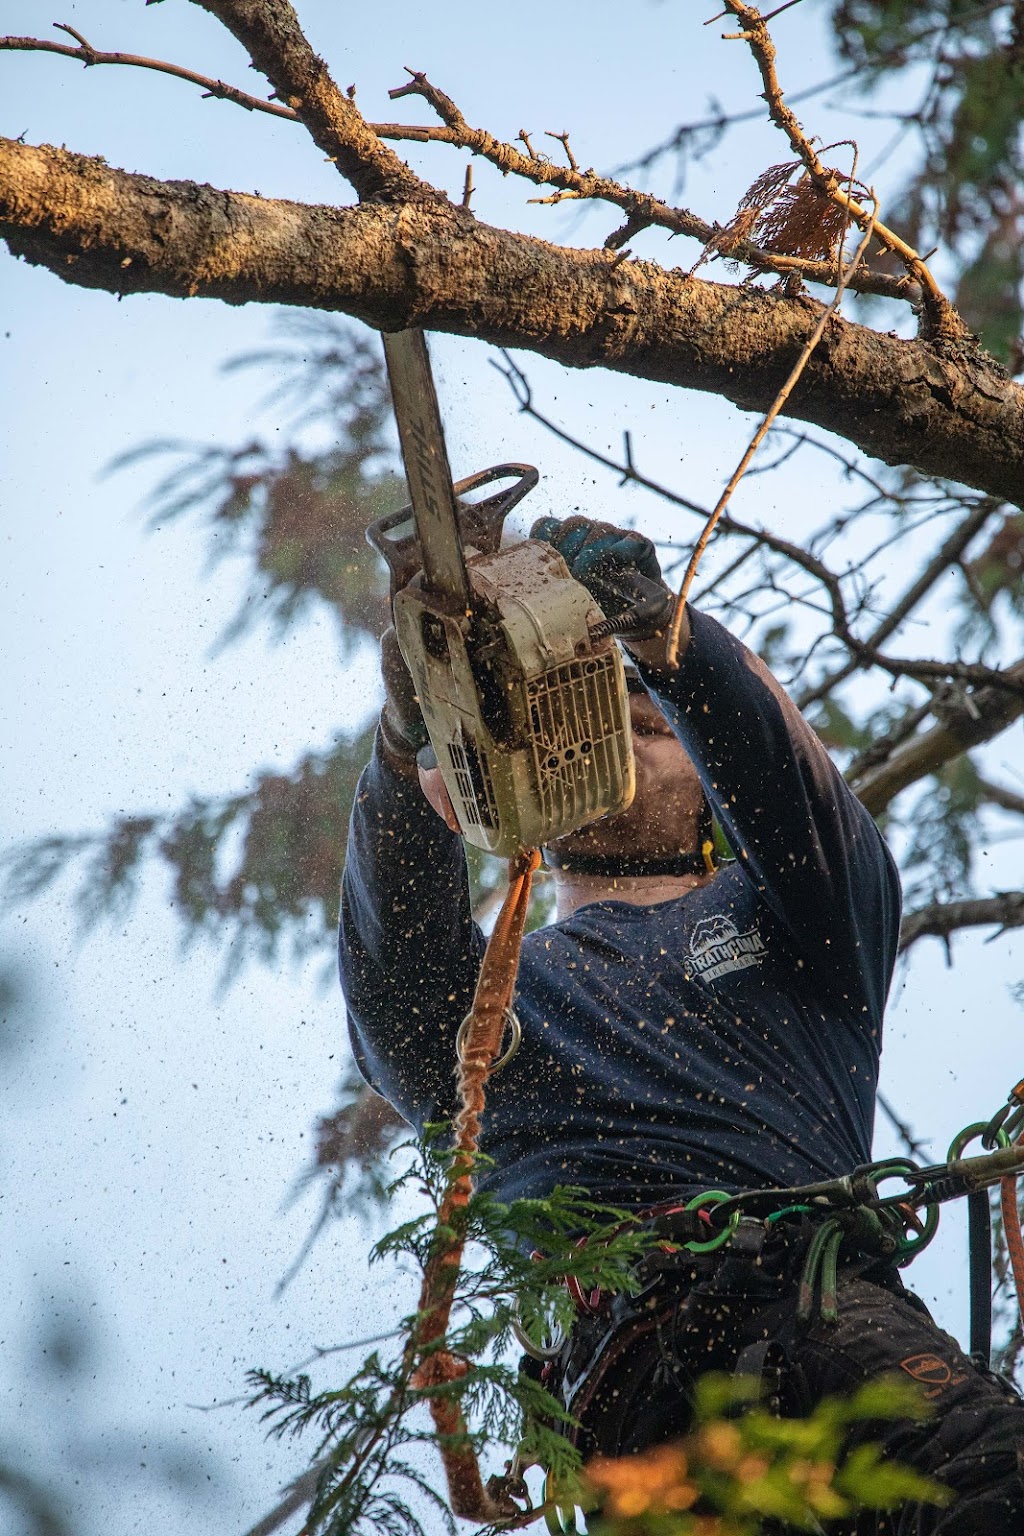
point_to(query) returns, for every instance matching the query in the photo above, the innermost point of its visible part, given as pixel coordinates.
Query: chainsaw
(520, 682)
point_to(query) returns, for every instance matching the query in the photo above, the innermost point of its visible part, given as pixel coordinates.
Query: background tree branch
(967, 721)
(942, 919)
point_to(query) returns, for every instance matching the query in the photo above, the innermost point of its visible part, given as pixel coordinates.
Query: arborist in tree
(685, 1028)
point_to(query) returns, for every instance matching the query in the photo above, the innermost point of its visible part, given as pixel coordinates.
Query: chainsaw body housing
(527, 714)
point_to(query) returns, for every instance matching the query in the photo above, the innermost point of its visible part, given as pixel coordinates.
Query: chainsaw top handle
(480, 522)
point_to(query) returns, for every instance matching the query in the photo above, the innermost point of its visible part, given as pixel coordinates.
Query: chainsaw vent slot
(474, 783)
(577, 739)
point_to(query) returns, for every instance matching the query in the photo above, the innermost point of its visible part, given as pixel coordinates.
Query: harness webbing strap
(979, 1259)
(480, 1049)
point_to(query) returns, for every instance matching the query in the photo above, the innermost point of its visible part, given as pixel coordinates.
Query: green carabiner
(713, 1197)
(908, 1248)
(967, 1135)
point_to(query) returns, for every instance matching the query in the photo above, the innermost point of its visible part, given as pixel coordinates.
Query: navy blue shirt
(728, 1038)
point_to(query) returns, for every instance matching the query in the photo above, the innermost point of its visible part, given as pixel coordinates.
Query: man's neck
(575, 890)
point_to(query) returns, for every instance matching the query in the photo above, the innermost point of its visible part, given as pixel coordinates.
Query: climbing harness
(858, 1217)
(859, 1221)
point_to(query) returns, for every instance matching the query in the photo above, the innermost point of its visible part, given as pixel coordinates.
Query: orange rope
(437, 1366)
(1012, 1231)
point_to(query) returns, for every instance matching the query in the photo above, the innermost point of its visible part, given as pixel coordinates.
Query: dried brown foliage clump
(793, 218)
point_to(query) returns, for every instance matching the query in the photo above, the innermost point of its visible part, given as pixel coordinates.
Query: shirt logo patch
(717, 947)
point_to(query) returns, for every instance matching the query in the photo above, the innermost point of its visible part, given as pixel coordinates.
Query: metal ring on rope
(535, 1351)
(517, 1034)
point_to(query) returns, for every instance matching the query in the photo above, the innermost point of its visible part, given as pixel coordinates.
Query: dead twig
(89, 56)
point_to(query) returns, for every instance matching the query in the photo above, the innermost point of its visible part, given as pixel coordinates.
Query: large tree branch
(278, 47)
(974, 718)
(947, 412)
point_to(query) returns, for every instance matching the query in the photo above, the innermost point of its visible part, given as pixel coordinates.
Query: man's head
(664, 819)
(667, 812)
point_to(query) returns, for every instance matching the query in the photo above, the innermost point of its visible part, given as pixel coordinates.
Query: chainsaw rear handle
(648, 611)
(480, 522)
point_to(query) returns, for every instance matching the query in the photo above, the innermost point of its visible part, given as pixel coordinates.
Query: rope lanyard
(1012, 1233)
(479, 1047)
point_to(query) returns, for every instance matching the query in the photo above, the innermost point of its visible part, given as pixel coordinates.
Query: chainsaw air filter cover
(528, 717)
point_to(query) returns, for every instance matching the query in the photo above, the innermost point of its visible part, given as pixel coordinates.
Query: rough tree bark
(949, 412)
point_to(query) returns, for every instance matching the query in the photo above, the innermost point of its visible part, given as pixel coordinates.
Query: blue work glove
(618, 568)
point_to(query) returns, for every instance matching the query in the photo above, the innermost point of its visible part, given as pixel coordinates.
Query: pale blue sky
(154, 1127)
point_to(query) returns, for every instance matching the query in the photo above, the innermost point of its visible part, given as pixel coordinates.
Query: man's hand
(403, 732)
(401, 721)
(619, 569)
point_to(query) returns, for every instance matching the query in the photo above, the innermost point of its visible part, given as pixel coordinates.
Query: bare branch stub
(563, 139)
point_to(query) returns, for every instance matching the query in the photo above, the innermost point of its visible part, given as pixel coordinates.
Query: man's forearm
(808, 845)
(409, 950)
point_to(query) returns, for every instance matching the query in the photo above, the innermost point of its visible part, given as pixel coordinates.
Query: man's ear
(433, 788)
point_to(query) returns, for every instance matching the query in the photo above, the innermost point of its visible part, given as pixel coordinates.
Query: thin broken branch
(672, 644)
